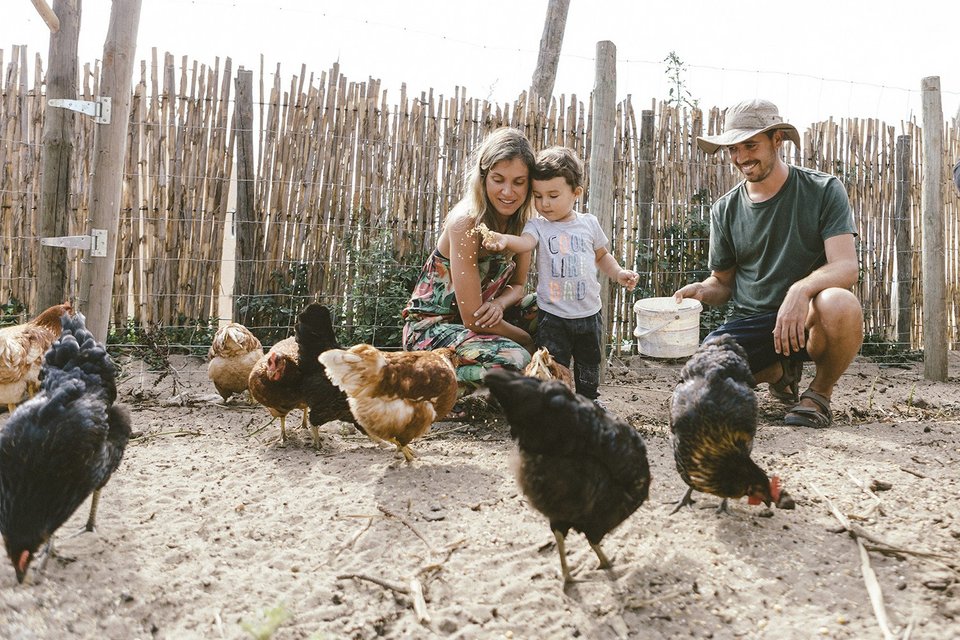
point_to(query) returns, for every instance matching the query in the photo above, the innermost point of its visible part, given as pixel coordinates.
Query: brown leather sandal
(818, 417)
(787, 388)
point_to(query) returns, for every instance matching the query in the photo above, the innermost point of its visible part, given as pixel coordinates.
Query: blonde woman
(467, 297)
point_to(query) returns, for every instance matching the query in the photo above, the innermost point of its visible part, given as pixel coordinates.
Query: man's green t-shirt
(774, 243)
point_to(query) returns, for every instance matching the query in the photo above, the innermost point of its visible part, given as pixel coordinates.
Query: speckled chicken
(543, 366)
(61, 445)
(581, 467)
(232, 355)
(21, 354)
(394, 395)
(713, 420)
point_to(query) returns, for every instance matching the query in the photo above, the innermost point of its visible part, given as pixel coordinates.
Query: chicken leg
(561, 549)
(94, 503)
(604, 561)
(685, 501)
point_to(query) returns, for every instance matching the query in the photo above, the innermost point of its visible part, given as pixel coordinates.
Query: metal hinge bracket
(96, 243)
(99, 108)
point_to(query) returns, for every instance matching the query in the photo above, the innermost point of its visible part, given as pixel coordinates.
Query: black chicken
(578, 465)
(713, 419)
(314, 334)
(60, 445)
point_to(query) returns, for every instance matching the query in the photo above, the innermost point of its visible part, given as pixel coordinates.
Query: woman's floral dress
(432, 319)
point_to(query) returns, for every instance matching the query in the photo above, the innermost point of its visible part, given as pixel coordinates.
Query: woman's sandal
(819, 417)
(787, 388)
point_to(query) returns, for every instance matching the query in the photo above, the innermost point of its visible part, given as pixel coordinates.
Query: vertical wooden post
(645, 177)
(600, 202)
(904, 246)
(55, 153)
(545, 75)
(243, 218)
(109, 154)
(934, 261)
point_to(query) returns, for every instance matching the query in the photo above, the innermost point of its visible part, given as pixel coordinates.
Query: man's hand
(789, 334)
(693, 290)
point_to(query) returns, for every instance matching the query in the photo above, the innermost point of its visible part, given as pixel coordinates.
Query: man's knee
(838, 309)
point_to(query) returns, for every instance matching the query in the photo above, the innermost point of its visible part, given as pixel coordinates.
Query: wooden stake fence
(336, 164)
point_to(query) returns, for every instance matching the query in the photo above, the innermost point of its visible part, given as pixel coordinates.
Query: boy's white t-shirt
(567, 283)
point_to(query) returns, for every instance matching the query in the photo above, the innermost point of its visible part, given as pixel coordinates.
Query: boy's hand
(493, 241)
(628, 278)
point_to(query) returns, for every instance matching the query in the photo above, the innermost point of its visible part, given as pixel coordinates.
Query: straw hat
(745, 120)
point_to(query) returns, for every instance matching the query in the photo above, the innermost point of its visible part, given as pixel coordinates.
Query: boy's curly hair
(561, 162)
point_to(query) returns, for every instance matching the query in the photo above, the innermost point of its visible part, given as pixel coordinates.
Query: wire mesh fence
(350, 190)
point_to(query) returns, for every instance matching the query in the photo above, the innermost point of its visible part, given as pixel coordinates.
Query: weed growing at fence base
(882, 351)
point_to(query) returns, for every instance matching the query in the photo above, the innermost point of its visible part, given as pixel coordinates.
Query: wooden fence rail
(348, 190)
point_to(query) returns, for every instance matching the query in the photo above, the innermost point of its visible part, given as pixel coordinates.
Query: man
(956, 175)
(782, 247)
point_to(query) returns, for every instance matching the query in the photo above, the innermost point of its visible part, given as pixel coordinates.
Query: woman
(467, 297)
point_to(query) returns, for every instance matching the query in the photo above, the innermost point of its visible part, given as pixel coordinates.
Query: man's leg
(834, 336)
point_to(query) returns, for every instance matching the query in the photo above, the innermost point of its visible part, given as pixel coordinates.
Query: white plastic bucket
(666, 329)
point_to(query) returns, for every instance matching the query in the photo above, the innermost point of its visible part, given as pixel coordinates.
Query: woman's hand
(489, 314)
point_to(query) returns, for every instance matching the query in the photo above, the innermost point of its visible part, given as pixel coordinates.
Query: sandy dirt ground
(210, 529)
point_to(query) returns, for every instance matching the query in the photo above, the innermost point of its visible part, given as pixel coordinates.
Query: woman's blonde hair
(502, 144)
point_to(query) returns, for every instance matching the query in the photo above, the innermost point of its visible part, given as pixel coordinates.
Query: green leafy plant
(267, 623)
(12, 312)
(271, 315)
(379, 290)
(682, 259)
(678, 95)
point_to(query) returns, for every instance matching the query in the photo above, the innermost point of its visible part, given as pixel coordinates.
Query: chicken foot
(407, 452)
(685, 501)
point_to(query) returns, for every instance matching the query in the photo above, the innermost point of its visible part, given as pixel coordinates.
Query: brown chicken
(276, 380)
(394, 396)
(581, 467)
(232, 356)
(713, 420)
(543, 366)
(21, 353)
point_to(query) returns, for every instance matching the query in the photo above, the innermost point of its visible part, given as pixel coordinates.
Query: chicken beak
(20, 566)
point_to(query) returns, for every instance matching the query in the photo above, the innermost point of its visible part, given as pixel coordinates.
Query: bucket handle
(644, 334)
